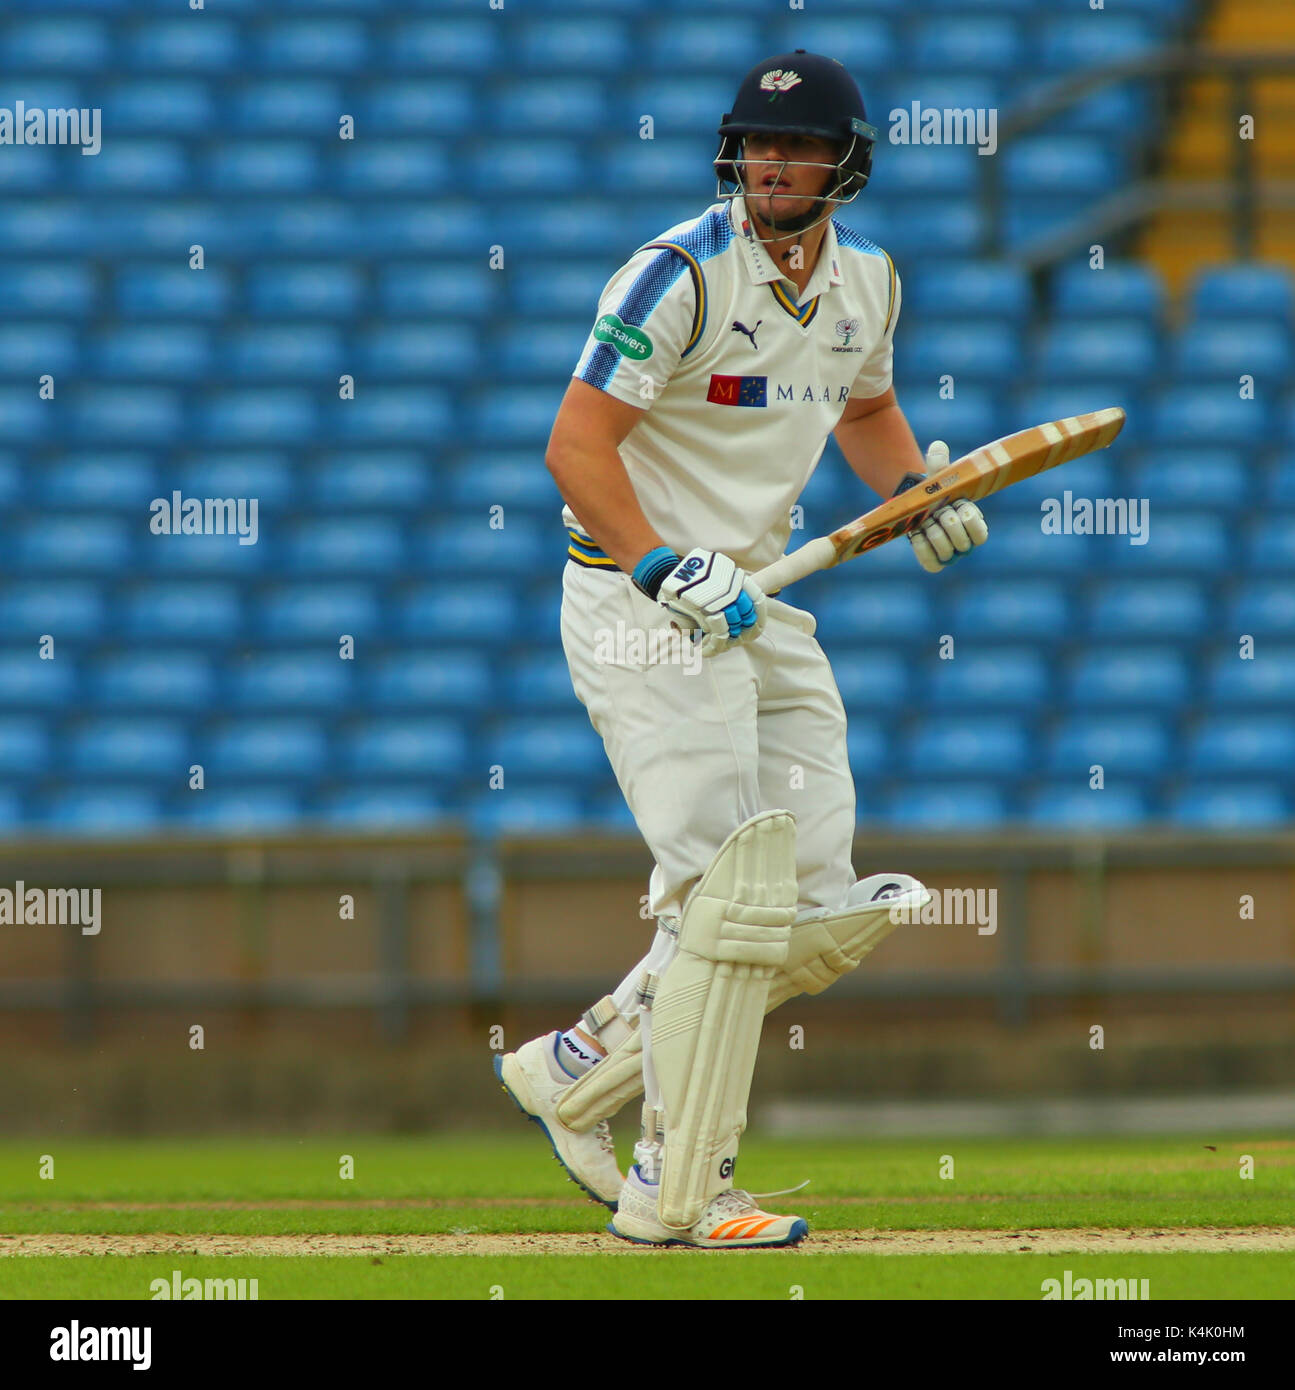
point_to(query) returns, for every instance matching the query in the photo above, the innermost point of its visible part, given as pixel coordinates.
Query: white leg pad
(824, 946)
(710, 1004)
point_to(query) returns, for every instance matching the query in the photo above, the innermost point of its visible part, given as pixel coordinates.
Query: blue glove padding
(740, 614)
(651, 570)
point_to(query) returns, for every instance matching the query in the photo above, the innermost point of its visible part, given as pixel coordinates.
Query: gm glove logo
(628, 340)
(726, 1169)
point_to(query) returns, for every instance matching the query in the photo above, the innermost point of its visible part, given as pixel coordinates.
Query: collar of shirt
(760, 264)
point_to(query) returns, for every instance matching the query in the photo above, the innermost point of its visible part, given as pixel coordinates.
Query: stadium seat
(1062, 166)
(50, 289)
(273, 750)
(999, 679)
(1069, 807)
(316, 289)
(472, 614)
(1242, 806)
(982, 44)
(300, 353)
(988, 352)
(576, 45)
(1125, 290)
(535, 749)
(1230, 348)
(966, 808)
(986, 746)
(1241, 745)
(291, 681)
(88, 543)
(144, 681)
(414, 748)
(272, 107)
(975, 290)
(1187, 477)
(871, 680)
(251, 810)
(319, 44)
(74, 609)
(533, 810)
(1244, 291)
(1125, 746)
(1100, 349)
(34, 685)
(130, 747)
(262, 166)
(411, 107)
(538, 681)
(377, 808)
(203, 612)
(1265, 680)
(993, 610)
(1131, 678)
(1091, 40)
(53, 345)
(1262, 608)
(1142, 610)
(112, 812)
(893, 611)
(454, 681)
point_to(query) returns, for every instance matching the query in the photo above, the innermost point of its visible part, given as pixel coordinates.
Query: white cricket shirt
(740, 383)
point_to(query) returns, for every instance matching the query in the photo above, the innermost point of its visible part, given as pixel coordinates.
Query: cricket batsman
(723, 355)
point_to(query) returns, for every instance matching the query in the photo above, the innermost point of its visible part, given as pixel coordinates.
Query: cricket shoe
(535, 1082)
(731, 1221)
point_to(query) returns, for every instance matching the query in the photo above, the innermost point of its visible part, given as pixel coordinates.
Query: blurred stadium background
(516, 133)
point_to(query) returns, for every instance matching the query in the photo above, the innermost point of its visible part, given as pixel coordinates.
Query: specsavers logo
(628, 340)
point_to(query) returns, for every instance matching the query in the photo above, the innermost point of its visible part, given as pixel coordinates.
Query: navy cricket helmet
(803, 94)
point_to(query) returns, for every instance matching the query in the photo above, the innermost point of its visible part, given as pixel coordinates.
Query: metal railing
(481, 870)
(1243, 191)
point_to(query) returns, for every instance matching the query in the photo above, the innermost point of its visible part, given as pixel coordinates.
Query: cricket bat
(976, 475)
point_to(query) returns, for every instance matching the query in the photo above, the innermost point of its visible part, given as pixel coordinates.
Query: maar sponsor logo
(629, 340)
(738, 390)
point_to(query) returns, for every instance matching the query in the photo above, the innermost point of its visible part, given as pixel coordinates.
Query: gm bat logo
(931, 487)
(726, 1169)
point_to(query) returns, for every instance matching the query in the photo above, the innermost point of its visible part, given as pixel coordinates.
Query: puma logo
(750, 332)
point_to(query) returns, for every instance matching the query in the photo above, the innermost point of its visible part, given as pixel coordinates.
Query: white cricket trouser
(754, 728)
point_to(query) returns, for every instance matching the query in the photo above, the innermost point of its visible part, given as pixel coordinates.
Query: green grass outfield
(508, 1185)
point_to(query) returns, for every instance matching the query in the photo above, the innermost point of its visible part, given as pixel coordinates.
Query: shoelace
(603, 1130)
(740, 1197)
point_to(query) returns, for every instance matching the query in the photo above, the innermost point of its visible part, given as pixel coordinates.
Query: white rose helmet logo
(778, 81)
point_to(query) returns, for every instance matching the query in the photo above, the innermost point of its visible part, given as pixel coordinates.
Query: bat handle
(812, 556)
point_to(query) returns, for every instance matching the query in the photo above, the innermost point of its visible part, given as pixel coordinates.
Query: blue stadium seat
(936, 227)
(51, 289)
(877, 680)
(1062, 166)
(1263, 608)
(531, 810)
(544, 288)
(1074, 350)
(455, 681)
(1131, 745)
(534, 349)
(54, 346)
(213, 555)
(290, 106)
(178, 46)
(1055, 401)
(318, 44)
(1140, 678)
(413, 748)
(866, 44)
(989, 746)
(1125, 290)
(270, 750)
(133, 415)
(23, 418)
(988, 352)
(993, 609)
(1001, 679)
(545, 749)
(381, 167)
(1069, 807)
(545, 227)
(1065, 45)
(317, 289)
(1018, 546)
(1268, 548)
(472, 614)
(392, 415)
(1187, 477)
(111, 481)
(549, 105)
(421, 227)
(422, 351)
(1242, 806)
(153, 167)
(242, 473)
(138, 748)
(68, 608)
(89, 543)
(1229, 348)
(264, 166)
(896, 611)
(356, 545)
(982, 44)
(112, 812)
(461, 46)
(1198, 543)
(538, 681)
(505, 167)
(520, 480)
(1144, 609)
(470, 548)
(257, 415)
(587, 44)
(163, 291)
(966, 807)
(314, 612)
(975, 290)
(142, 681)
(165, 351)
(453, 290)
(30, 683)
(917, 170)
(869, 746)
(523, 415)
(202, 612)
(689, 105)
(26, 749)
(70, 43)
(1241, 745)
(970, 419)
(1111, 112)
(291, 681)
(383, 480)
(1265, 680)
(643, 168)
(1244, 291)
(423, 108)
(705, 43)
(376, 807)
(1281, 480)
(250, 810)
(286, 352)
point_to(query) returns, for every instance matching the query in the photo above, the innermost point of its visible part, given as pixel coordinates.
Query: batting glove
(950, 531)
